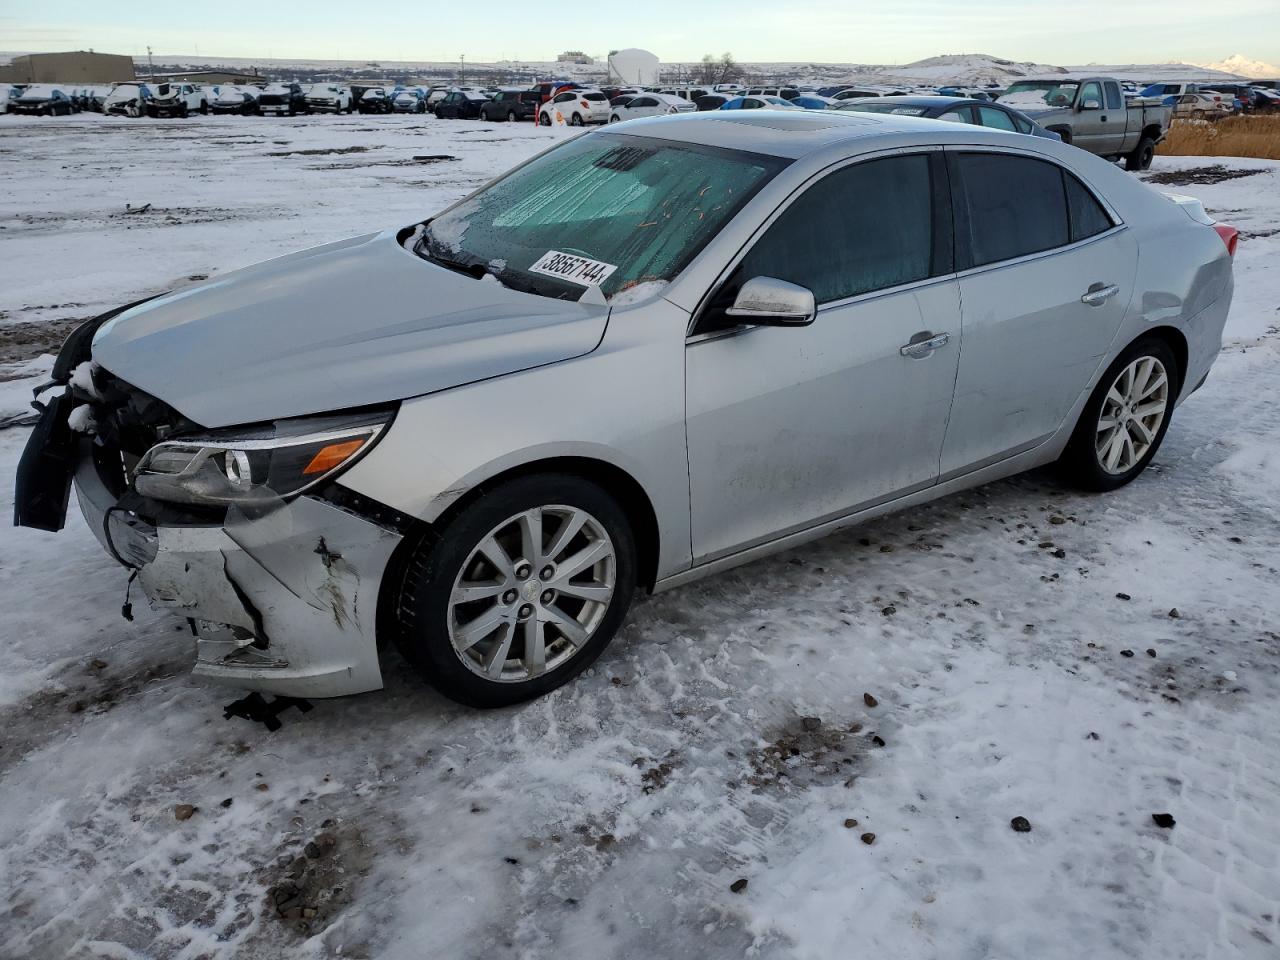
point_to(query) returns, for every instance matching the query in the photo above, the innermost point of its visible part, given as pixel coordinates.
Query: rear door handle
(923, 344)
(1098, 294)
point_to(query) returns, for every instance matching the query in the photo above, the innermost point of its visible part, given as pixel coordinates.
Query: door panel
(791, 426)
(1031, 346)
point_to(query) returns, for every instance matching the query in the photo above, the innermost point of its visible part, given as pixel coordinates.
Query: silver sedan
(652, 353)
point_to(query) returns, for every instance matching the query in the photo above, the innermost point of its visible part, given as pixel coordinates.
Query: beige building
(79, 67)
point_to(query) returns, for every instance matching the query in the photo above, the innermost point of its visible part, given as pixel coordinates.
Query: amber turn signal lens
(331, 456)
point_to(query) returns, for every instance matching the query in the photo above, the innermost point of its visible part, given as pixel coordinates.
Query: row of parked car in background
(593, 105)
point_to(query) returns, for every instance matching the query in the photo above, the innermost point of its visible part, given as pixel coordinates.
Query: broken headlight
(256, 466)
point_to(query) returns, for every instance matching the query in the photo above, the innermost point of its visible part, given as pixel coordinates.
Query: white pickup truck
(329, 98)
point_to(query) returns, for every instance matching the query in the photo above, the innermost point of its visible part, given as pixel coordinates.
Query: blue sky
(1083, 31)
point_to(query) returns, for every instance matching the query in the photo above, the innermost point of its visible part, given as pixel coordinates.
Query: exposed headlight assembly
(259, 466)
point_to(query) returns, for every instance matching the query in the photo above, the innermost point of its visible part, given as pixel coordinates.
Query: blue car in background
(812, 101)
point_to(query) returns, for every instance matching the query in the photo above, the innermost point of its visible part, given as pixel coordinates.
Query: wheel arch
(1176, 341)
(620, 484)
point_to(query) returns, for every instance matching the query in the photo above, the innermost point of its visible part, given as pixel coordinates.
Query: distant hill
(1254, 69)
(962, 69)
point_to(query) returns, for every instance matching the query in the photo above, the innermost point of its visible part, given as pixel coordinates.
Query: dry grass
(1244, 136)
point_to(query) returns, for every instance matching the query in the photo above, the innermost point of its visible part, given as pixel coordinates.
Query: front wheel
(523, 590)
(511, 116)
(1125, 419)
(575, 120)
(614, 118)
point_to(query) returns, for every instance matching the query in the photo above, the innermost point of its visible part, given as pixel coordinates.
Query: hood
(358, 322)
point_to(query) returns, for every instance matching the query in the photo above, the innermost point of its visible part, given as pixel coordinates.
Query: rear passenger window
(1009, 207)
(996, 119)
(1088, 219)
(1113, 95)
(863, 228)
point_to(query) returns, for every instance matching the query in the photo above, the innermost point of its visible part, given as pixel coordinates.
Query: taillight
(585, 105)
(1230, 236)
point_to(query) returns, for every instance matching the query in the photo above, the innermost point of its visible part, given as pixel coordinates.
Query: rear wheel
(575, 120)
(511, 116)
(544, 119)
(1142, 155)
(614, 118)
(1125, 419)
(522, 592)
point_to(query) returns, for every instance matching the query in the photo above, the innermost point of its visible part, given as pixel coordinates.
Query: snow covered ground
(1081, 661)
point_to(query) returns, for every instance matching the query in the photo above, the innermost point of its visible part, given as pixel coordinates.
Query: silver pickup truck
(1093, 113)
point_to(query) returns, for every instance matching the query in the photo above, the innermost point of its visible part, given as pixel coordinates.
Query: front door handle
(923, 344)
(1098, 294)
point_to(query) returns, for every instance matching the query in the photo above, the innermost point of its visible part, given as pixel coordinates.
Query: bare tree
(713, 69)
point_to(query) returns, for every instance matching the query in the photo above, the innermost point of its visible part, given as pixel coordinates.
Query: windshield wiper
(472, 270)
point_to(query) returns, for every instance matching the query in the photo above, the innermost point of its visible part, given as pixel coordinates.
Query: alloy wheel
(1132, 413)
(532, 593)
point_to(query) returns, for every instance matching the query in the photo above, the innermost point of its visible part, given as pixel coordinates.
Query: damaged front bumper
(284, 602)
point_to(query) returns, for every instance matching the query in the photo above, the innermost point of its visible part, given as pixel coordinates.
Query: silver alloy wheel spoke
(497, 658)
(1132, 414)
(520, 607)
(567, 625)
(468, 592)
(479, 628)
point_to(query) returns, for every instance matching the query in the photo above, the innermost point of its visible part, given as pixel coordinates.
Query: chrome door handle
(919, 349)
(1098, 294)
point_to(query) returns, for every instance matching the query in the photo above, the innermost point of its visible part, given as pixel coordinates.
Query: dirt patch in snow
(1215, 173)
(90, 689)
(310, 882)
(26, 341)
(806, 752)
(320, 152)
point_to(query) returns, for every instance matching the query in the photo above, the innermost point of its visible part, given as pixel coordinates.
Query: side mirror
(1091, 105)
(769, 302)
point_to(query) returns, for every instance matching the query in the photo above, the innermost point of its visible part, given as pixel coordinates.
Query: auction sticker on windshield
(574, 269)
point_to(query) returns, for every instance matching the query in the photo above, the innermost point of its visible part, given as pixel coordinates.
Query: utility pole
(151, 67)
(463, 61)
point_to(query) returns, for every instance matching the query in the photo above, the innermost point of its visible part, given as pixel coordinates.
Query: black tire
(544, 119)
(204, 107)
(422, 628)
(575, 120)
(511, 116)
(1064, 134)
(1142, 155)
(1080, 461)
(183, 111)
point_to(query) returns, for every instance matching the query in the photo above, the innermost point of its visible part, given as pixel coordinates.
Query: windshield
(630, 209)
(1041, 92)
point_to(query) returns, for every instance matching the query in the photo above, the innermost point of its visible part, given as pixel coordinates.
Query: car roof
(793, 134)
(922, 100)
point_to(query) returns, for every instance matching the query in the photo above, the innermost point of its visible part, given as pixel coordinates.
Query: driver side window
(1092, 91)
(867, 227)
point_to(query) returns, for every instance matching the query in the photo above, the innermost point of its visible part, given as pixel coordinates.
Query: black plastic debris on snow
(255, 707)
